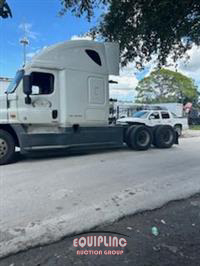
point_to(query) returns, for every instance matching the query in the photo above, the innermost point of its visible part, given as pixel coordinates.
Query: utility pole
(24, 42)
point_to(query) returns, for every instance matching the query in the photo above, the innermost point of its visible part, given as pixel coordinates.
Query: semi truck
(60, 100)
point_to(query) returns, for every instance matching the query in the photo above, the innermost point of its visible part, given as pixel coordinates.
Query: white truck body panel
(112, 55)
(3, 109)
(81, 93)
(42, 105)
(71, 55)
(4, 82)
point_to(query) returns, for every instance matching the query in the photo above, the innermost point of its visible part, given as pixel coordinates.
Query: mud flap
(176, 139)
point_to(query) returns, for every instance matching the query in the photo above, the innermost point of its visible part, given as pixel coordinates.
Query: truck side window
(42, 83)
(155, 115)
(94, 56)
(165, 115)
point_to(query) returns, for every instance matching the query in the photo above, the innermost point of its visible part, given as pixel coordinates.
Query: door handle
(54, 114)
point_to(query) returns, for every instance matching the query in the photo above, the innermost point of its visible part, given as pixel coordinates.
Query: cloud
(130, 76)
(27, 27)
(79, 37)
(127, 82)
(32, 54)
(191, 67)
(124, 82)
(123, 95)
(12, 43)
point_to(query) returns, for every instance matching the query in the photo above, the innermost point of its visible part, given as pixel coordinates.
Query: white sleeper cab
(60, 100)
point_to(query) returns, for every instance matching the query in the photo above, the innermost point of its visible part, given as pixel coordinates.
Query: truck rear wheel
(139, 138)
(7, 147)
(164, 136)
(127, 133)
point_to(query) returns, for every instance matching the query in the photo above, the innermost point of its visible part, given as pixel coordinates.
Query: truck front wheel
(139, 138)
(7, 147)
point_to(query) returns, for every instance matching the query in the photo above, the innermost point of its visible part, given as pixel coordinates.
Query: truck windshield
(141, 114)
(15, 82)
(174, 115)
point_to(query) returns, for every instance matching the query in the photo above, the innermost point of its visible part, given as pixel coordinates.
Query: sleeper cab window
(94, 56)
(42, 83)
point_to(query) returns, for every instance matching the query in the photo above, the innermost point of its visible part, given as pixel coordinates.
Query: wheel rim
(167, 136)
(143, 138)
(3, 148)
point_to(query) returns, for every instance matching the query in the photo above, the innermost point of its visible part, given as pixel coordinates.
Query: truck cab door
(154, 119)
(44, 100)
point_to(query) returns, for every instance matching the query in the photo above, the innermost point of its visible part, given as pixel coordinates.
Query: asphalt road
(176, 243)
(41, 200)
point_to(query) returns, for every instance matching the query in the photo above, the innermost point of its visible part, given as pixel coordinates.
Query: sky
(44, 27)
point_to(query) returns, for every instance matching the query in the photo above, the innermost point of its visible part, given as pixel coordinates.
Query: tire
(154, 135)
(139, 138)
(7, 147)
(127, 133)
(164, 136)
(178, 129)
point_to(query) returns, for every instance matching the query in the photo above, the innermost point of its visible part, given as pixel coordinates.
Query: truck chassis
(136, 137)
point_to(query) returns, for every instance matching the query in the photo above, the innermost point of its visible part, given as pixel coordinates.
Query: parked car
(152, 118)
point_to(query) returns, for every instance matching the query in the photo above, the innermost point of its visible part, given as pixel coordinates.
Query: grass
(195, 127)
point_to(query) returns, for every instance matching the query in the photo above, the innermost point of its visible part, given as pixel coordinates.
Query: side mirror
(27, 85)
(27, 88)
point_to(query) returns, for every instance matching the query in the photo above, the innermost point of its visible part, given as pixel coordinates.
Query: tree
(145, 28)
(164, 85)
(81, 7)
(5, 11)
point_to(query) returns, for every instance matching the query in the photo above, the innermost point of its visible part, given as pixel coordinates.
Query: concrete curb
(190, 133)
(52, 230)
